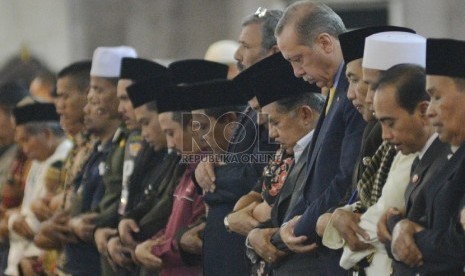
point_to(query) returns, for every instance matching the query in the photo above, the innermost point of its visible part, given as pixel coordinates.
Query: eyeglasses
(261, 12)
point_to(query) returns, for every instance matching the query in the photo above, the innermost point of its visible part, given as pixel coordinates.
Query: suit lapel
(289, 187)
(435, 151)
(441, 180)
(323, 123)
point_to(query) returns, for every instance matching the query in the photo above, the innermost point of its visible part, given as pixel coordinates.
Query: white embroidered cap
(106, 61)
(384, 50)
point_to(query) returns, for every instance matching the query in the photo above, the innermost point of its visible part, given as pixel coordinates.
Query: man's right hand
(21, 227)
(322, 222)
(83, 226)
(41, 209)
(191, 241)
(383, 233)
(260, 240)
(120, 254)
(54, 232)
(101, 238)
(143, 254)
(242, 221)
(346, 223)
(205, 176)
(126, 228)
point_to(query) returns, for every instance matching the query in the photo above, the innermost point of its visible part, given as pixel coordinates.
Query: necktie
(332, 91)
(414, 166)
(412, 184)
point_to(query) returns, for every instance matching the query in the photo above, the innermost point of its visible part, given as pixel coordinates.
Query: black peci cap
(244, 80)
(35, 112)
(203, 95)
(445, 57)
(280, 83)
(171, 100)
(145, 91)
(138, 69)
(196, 70)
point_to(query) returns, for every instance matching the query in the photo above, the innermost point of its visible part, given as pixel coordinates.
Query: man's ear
(274, 49)
(230, 117)
(306, 113)
(189, 127)
(47, 133)
(422, 108)
(326, 42)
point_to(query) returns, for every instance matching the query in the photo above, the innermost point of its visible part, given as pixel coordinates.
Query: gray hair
(315, 101)
(268, 22)
(34, 128)
(311, 19)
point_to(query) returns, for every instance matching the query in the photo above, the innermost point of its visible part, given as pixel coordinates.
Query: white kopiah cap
(106, 61)
(384, 50)
(222, 51)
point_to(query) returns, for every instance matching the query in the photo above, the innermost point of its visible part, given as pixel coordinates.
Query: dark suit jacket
(442, 243)
(233, 181)
(326, 178)
(433, 160)
(331, 164)
(291, 189)
(293, 264)
(243, 138)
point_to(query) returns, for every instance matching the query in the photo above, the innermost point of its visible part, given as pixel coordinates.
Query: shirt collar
(301, 144)
(427, 145)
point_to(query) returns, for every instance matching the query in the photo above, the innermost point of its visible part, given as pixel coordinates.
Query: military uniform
(152, 212)
(98, 189)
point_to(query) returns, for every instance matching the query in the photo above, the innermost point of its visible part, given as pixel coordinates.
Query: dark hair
(314, 100)
(46, 76)
(311, 19)
(268, 22)
(409, 81)
(182, 117)
(152, 106)
(79, 72)
(459, 83)
(375, 85)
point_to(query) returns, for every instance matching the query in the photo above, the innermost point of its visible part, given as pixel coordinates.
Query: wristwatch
(226, 223)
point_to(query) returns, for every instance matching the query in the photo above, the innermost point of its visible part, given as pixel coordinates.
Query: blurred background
(41, 37)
